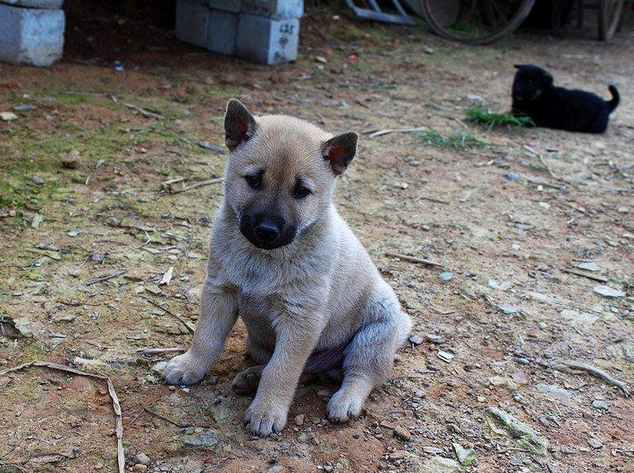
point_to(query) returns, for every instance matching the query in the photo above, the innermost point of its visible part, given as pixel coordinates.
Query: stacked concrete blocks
(266, 31)
(31, 31)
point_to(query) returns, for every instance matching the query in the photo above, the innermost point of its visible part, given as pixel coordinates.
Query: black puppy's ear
(548, 78)
(239, 124)
(339, 151)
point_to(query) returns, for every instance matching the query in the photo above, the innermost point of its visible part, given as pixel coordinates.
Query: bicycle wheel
(610, 12)
(475, 21)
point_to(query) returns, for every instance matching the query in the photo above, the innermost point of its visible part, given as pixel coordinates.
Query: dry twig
(113, 395)
(598, 373)
(412, 259)
(187, 324)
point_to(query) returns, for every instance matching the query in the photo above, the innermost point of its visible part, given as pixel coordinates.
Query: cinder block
(30, 36)
(226, 5)
(278, 9)
(222, 32)
(267, 40)
(43, 4)
(192, 21)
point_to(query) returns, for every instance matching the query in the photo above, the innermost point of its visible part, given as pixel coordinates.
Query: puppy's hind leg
(370, 355)
(246, 381)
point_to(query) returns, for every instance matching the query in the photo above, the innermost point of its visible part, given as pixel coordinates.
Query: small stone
(608, 292)
(428, 49)
(582, 318)
(417, 393)
(113, 222)
(439, 464)
(72, 233)
(139, 467)
(159, 367)
(206, 439)
(415, 339)
(143, 459)
(509, 309)
(589, 266)
(594, 442)
(475, 98)
(321, 59)
(299, 419)
(445, 356)
(37, 180)
(402, 434)
(23, 326)
(71, 160)
(432, 450)
(600, 404)
(8, 116)
(465, 456)
(554, 391)
(328, 468)
(512, 176)
(435, 339)
(37, 219)
(99, 466)
(446, 276)
(275, 469)
(399, 455)
(501, 422)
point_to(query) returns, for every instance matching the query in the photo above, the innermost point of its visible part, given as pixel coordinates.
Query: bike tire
(609, 17)
(439, 25)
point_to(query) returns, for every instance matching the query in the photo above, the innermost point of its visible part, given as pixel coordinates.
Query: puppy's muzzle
(267, 231)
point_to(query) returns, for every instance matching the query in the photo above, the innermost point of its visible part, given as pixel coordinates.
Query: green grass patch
(455, 141)
(489, 119)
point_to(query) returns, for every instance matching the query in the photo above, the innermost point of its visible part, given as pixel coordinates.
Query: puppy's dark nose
(267, 231)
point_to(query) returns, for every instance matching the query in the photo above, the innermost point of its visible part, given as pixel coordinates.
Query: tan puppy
(283, 259)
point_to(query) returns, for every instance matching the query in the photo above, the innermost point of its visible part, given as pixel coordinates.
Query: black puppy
(555, 107)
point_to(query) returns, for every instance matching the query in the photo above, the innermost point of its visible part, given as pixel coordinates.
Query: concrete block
(278, 9)
(42, 4)
(30, 36)
(226, 5)
(267, 40)
(192, 21)
(222, 32)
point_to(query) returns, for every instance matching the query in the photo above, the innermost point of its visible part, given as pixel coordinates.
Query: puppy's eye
(300, 191)
(254, 181)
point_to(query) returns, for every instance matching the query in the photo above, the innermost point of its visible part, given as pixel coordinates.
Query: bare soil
(509, 313)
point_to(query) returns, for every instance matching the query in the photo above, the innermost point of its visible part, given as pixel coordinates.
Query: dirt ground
(83, 251)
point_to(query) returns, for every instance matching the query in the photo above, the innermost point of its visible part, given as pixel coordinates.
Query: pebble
(594, 442)
(143, 459)
(600, 404)
(139, 467)
(608, 292)
(113, 222)
(399, 455)
(554, 391)
(299, 419)
(276, 469)
(446, 276)
(8, 116)
(402, 434)
(37, 180)
(159, 367)
(465, 456)
(445, 356)
(435, 339)
(589, 266)
(512, 176)
(415, 339)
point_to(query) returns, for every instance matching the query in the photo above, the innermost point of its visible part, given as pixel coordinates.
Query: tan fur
(320, 293)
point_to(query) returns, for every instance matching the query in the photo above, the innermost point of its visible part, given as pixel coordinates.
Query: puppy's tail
(616, 98)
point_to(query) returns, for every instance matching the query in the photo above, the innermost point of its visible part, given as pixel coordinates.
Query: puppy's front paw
(344, 406)
(184, 369)
(264, 420)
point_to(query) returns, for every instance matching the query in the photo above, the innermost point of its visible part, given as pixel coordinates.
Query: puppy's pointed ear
(239, 124)
(547, 77)
(339, 151)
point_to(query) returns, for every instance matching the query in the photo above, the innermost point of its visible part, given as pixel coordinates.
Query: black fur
(535, 95)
